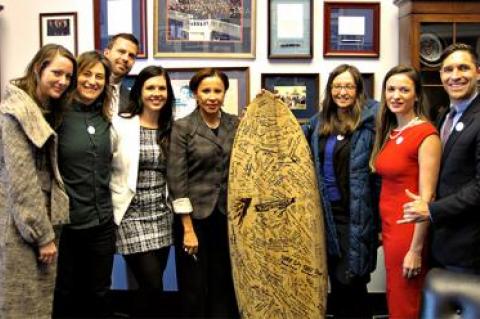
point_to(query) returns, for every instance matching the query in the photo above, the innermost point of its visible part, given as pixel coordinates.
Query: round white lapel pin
(340, 137)
(459, 127)
(91, 130)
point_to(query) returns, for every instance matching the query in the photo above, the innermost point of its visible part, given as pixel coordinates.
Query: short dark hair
(127, 36)
(206, 73)
(459, 47)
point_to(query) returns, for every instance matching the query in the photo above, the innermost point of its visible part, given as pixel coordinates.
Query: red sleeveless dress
(397, 164)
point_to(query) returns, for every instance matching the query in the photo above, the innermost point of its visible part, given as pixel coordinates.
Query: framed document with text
(351, 29)
(290, 29)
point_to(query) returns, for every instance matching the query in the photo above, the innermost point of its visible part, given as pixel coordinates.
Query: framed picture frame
(299, 91)
(59, 28)
(351, 29)
(223, 30)
(111, 17)
(290, 29)
(369, 84)
(236, 98)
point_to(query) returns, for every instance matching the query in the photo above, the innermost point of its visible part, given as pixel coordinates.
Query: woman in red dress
(406, 155)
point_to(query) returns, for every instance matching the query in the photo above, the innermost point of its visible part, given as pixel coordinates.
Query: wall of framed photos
(20, 39)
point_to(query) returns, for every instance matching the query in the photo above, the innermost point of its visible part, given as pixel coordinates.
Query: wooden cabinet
(427, 27)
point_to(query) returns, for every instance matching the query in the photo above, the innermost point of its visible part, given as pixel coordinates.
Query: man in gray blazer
(455, 213)
(122, 52)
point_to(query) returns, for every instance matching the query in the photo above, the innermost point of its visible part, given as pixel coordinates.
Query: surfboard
(275, 220)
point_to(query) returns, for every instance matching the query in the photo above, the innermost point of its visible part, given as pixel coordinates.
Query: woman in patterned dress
(140, 142)
(406, 155)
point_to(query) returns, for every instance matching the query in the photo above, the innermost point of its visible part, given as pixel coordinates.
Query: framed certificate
(351, 29)
(290, 29)
(113, 16)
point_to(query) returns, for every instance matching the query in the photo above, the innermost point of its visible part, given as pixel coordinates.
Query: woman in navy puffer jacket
(341, 138)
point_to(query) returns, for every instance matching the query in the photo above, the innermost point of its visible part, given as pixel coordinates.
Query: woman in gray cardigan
(33, 202)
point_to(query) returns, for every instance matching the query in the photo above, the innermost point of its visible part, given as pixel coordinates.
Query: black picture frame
(293, 89)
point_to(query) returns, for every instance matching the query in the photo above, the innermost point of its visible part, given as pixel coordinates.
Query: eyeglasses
(348, 87)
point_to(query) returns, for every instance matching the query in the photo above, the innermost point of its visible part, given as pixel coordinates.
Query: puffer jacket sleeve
(27, 204)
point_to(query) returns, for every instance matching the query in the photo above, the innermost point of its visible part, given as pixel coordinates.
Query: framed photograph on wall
(59, 28)
(369, 83)
(290, 29)
(299, 91)
(113, 16)
(205, 29)
(351, 29)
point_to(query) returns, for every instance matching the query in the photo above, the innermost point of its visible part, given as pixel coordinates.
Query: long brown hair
(29, 81)
(386, 120)
(331, 121)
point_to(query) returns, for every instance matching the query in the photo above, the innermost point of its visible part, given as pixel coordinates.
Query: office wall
(19, 40)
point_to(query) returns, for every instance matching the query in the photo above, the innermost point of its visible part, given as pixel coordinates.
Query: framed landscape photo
(290, 29)
(299, 91)
(59, 28)
(352, 29)
(205, 29)
(125, 16)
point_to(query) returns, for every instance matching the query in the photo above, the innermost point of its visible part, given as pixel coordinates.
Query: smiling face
(344, 90)
(122, 57)
(400, 95)
(210, 95)
(54, 79)
(154, 93)
(91, 83)
(459, 75)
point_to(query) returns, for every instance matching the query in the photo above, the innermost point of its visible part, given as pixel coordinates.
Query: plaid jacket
(198, 163)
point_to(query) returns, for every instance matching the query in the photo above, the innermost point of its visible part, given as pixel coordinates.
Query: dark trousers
(147, 268)
(84, 271)
(205, 283)
(349, 300)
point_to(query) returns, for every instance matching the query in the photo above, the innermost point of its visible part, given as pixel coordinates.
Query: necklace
(396, 136)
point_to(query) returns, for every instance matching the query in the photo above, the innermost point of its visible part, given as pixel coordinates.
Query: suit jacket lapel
(203, 130)
(466, 119)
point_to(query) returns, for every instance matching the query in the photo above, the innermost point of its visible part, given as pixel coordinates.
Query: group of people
(86, 164)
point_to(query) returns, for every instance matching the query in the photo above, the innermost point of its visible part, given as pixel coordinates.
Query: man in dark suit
(455, 214)
(122, 52)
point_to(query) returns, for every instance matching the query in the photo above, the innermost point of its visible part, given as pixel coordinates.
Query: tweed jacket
(32, 202)
(126, 149)
(455, 227)
(198, 163)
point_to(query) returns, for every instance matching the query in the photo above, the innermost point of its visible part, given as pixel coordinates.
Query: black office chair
(451, 295)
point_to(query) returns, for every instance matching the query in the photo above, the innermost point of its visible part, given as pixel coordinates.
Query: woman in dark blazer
(197, 177)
